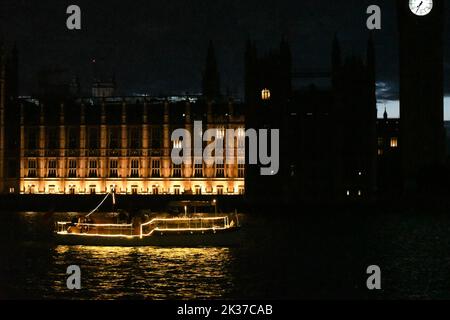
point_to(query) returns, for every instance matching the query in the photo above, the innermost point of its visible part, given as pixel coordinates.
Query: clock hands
(418, 7)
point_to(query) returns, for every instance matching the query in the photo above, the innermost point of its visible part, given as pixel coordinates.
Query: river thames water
(296, 257)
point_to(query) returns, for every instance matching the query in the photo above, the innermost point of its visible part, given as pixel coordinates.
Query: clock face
(421, 7)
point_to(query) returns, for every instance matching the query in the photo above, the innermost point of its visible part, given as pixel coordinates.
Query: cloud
(386, 91)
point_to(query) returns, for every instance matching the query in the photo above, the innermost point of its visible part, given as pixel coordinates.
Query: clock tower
(422, 137)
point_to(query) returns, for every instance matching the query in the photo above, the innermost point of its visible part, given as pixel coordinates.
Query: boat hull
(223, 238)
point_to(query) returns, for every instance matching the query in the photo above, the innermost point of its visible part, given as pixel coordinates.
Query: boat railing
(95, 229)
(184, 224)
(147, 228)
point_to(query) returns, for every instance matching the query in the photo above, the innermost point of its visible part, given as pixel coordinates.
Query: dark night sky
(159, 47)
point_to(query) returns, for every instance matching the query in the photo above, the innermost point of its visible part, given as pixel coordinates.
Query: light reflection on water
(33, 267)
(145, 272)
(265, 265)
(312, 257)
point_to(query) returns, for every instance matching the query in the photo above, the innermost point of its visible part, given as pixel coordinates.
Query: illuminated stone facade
(85, 146)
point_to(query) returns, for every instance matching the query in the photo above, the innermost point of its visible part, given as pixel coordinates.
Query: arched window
(394, 142)
(265, 94)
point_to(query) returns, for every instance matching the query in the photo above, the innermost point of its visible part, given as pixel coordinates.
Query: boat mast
(113, 191)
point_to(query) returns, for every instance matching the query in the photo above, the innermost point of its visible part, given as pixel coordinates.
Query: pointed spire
(385, 114)
(211, 81)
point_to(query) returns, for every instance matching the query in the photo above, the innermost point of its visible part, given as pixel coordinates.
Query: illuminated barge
(192, 228)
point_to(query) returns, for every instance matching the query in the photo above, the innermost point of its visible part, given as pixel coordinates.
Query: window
(11, 190)
(156, 168)
(241, 138)
(176, 190)
(134, 189)
(198, 190)
(32, 168)
(51, 189)
(241, 190)
(198, 170)
(220, 133)
(394, 142)
(71, 189)
(92, 168)
(292, 170)
(380, 141)
(220, 170)
(72, 168)
(380, 152)
(92, 189)
(155, 189)
(176, 171)
(177, 144)
(31, 189)
(219, 190)
(241, 170)
(135, 168)
(265, 94)
(52, 168)
(113, 168)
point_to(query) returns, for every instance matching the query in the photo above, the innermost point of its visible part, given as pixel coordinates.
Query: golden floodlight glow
(394, 142)
(265, 94)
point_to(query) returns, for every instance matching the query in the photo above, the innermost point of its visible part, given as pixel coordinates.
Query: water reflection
(146, 272)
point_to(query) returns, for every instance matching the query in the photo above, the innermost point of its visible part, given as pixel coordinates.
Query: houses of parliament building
(58, 142)
(332, 146)
(64, 144)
